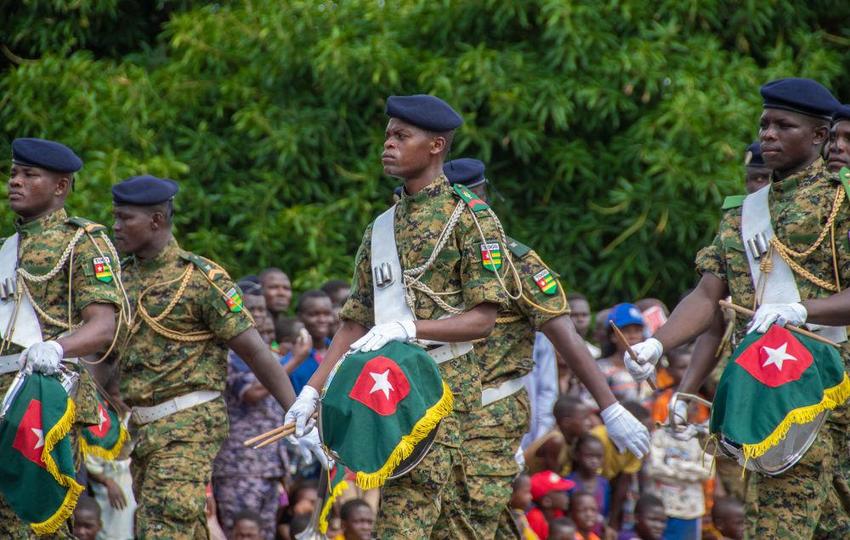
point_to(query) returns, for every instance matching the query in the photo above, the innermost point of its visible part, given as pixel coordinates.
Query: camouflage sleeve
(478, 276)
(360, 306)
(710, 259)
(221, 306)
(543, 296)
(94, 273)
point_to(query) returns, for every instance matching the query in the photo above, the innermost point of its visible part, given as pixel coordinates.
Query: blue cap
(841, 113)
(466, 171)
(803, 96)
(144, 191)
(45, 154)
(424, 111)
(753, 157)
(624, 315)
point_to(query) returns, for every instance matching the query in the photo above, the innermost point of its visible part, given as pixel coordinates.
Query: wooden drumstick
(288, 430)
(791, 327)
(273, 432)
(631, 352)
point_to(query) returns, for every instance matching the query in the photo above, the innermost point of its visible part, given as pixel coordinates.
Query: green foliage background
(611, 129)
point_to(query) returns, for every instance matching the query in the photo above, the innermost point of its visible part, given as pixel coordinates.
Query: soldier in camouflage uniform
(53, 248)
(810, 500)
(493, 431)
(453, 295)
(186, 314)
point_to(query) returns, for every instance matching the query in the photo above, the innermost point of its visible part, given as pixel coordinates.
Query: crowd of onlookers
(576, 484)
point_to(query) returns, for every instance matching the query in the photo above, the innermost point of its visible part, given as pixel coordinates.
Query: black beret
(144, 191)
(803, 96)
(753, 157)
(841, 113)
(424, 111)
(466, 171)
(45, 154)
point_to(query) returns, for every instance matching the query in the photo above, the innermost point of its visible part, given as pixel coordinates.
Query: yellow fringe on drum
(832, 398)
(108, 454)
(405, 447)
(326, 507)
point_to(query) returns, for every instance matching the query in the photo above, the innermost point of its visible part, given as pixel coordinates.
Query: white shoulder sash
(18, 318)
(387, 279)
(778, 285)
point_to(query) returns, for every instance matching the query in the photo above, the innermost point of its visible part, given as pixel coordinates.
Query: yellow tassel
(832, 398)
(108, 454)
(405, 447)
(51, 439)
(323, 517)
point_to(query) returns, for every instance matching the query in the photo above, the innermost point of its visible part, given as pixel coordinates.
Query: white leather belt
(12, 362)
(507, 388)
(146, 415)
(446, 352)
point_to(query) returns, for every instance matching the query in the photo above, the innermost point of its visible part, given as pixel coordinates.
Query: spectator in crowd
(358, 520)
(303, 498)
(587, 468)
(520, 504)
(621, 468)
(628, 319)
(601, 332)
(277, 289)
(244, 477)
(338, 291)
(580, 314)
(247, 525)
(86, 518)
(334, 525)
(554, 451)
(678, 361)
(549, 495)
(315, 310)
(727, 516)
(677, 468)
(542, 387)
(287, 330)
(650, 520)
(562, 528)
(112, 485)
(585, 514)
(298, 524)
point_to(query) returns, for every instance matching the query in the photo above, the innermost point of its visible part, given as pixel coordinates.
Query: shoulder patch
(87, 224)
(733, 201)
(209, 269)
(470, 198)
(518, 249)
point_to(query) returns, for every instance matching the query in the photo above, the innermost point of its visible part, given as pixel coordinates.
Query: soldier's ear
(821, 134)
(63, 185)
(438, 144)
(157, 221)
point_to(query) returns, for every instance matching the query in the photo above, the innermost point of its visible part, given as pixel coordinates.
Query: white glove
(677, 420)
(301, 412)
(780, 314)
(311, 446)
(382, 334)
(625, 430)
(648, 353)
(43, 357)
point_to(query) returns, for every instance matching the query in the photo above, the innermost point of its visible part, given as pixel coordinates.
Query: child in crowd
(727, 516)
(315, 310)
(358, 520)
(585, 514)
(554, 451)
(678, 361)
(587, 467)
(549, 494)
(286, 332)
(247, 525)
(520, 504)
(677, 469)
(628, 319)
(302, 501)
(650, 520)
(562, 529)
(86, 518)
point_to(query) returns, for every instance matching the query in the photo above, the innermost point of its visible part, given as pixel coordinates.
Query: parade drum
(379, 411)
(773, 397)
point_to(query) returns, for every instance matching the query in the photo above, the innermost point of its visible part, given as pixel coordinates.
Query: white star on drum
(777, 356)
(382, 383)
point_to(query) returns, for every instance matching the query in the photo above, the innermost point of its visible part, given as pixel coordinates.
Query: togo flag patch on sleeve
(491, 256)
(102, 269)
(233, 300)
(546, 282)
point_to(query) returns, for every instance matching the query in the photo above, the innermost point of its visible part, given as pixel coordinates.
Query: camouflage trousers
(810, 500)
(492, 436)
(172, 464)
(430, 500)
(234, 494)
